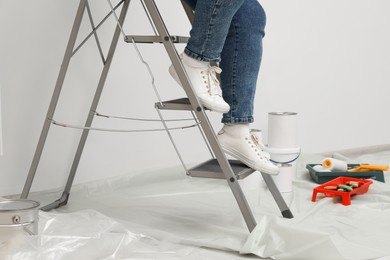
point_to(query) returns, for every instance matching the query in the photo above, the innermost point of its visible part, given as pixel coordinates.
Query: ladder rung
(211, 169)
(154, 39)
(175, 104)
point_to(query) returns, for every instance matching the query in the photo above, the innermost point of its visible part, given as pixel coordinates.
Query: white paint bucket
(282, 129)
(284, 155)
(18, 217)
(282, 146)
(284, 179)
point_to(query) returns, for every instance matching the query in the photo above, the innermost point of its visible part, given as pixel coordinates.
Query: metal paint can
(285, 177)
(18, 217)
(282, 129)
(282, 137)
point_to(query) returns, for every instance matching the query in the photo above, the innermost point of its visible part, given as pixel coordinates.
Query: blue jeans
(230, 32)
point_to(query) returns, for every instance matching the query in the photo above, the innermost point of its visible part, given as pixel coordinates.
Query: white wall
(1, 128)
(327, 60)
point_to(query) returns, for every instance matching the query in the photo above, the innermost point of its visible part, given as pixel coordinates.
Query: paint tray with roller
(339, 187)
(324, 176)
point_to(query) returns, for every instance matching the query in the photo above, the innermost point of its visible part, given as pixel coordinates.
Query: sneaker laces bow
(213, 81)
(257, 142)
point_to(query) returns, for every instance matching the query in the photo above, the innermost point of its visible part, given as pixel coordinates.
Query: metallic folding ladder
(217, 167)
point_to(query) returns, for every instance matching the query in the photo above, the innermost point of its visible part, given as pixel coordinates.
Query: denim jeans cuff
(199, 57)
(237, 120)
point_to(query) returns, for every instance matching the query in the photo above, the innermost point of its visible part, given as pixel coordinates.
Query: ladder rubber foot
(287, 214)
(57, 204)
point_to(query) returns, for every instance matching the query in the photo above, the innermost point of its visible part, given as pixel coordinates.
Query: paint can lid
(282, 113)
(18, 204)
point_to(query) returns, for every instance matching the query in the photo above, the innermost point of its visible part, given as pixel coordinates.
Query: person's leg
(207, 37)
(240, 64)
(210, 28)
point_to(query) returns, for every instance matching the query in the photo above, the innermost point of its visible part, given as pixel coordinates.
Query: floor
(167, 215)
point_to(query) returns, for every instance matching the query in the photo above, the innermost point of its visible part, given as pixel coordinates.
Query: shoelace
(252, 143)
(257, 142)
(213, 81)
(259, 145)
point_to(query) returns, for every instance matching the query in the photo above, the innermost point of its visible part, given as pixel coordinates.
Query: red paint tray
(345, 195)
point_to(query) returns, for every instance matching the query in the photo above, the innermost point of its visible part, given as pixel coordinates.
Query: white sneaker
(249, 150)
(205, 83)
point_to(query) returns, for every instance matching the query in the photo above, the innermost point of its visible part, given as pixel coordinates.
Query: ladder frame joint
(155, 39)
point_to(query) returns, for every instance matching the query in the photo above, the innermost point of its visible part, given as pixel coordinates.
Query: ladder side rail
(95, 33)
(190, 15)
(54, 99)
(188, 10)
(203, 135)
(199, 110)
(284, 209)
(172, 141)
(63, 200)
(96, 28)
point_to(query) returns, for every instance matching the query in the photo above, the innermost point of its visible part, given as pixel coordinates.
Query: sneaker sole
(213, 107)
(210, 106)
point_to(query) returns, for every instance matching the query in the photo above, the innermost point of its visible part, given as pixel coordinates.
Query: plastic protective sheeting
(326, 229)
(71, 236)
(86, 235)
(166, 215)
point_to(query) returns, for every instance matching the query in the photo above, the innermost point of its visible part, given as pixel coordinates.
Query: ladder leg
(173, 142)
(204, 137)
(210, 135)
(277, 196)
(63, 200)
(54, 99)
(188, 10)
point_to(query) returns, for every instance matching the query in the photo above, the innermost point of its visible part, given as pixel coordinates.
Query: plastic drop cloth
(88, 234)
(166, 215)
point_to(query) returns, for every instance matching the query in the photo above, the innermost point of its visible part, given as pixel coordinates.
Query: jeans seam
(237, 120)
(211, 24)
(234, 66)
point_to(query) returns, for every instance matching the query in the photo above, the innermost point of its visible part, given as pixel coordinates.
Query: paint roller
(334, 164)
(341, 166)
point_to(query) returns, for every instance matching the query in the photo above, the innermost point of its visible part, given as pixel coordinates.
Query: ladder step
(211, 169)
(154, 39)
(175, 104)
